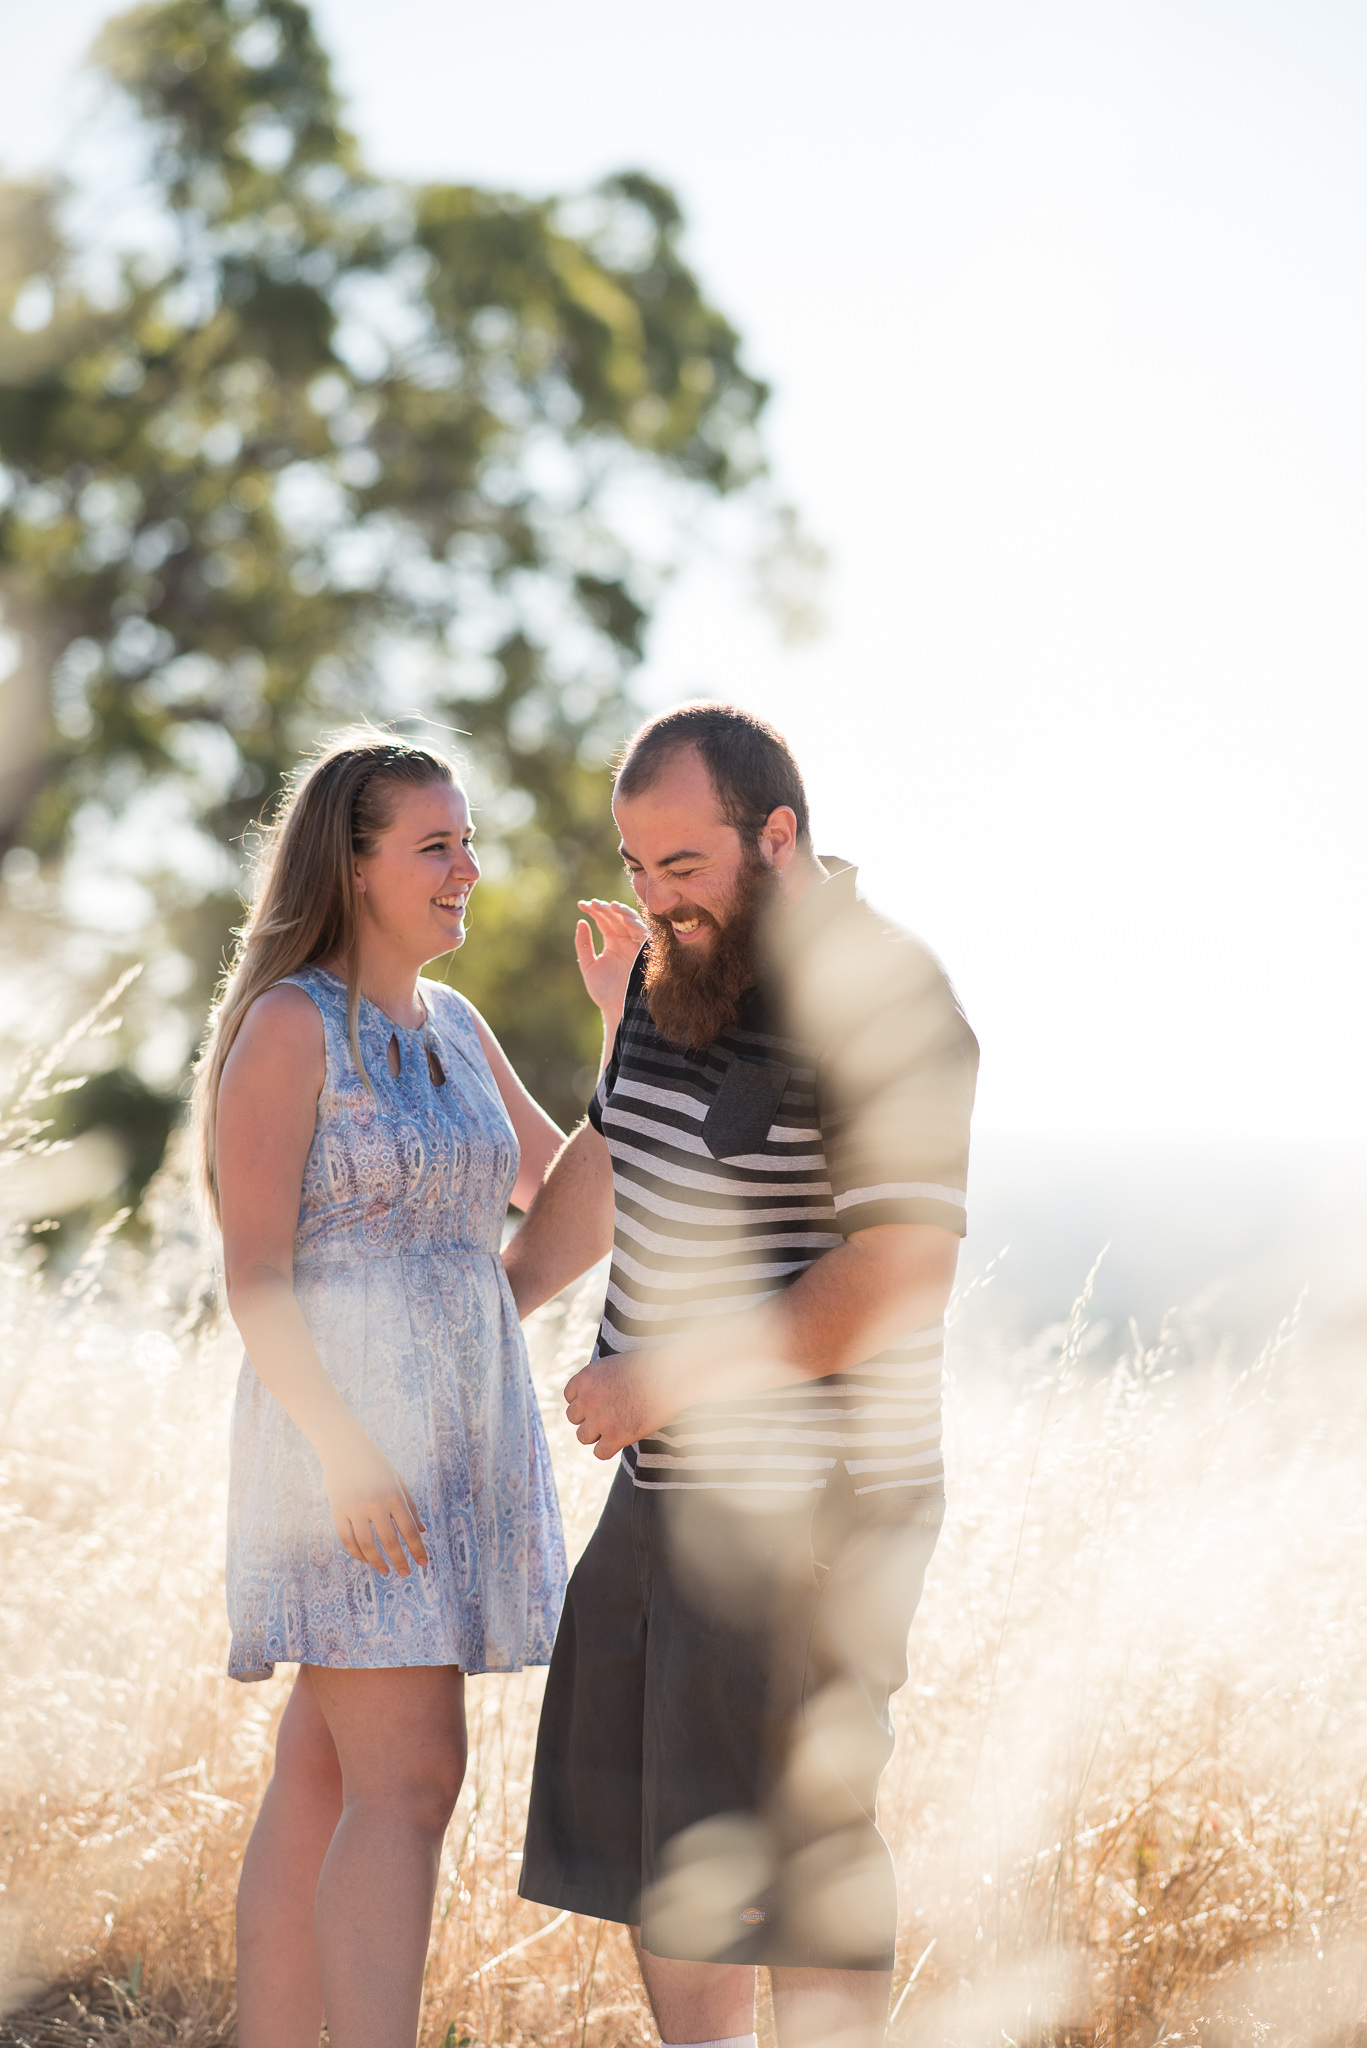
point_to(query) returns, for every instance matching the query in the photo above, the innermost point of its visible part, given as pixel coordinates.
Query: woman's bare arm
(538, 1137)
(570, 1225)
(267, 1105)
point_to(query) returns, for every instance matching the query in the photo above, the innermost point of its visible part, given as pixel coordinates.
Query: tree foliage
(322, 447)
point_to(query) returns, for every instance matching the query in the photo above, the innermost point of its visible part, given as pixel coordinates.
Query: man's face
(684, 860)
(704, 892)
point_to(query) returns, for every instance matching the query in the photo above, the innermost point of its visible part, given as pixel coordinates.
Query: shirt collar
(829, 900)
(795, 929)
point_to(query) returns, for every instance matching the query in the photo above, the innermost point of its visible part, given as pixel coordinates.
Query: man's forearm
(848, 1305)
(880, 1285)
(568, 1227)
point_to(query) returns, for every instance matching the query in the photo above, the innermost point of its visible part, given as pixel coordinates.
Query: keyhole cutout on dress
(395, 1064)
(435, 1068)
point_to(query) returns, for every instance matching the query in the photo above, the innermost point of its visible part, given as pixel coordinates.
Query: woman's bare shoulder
(283, 1027)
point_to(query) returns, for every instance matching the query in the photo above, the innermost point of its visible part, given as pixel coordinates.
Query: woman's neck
(391, 984)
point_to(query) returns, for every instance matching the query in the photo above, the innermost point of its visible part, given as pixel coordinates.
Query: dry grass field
(1128, 1798)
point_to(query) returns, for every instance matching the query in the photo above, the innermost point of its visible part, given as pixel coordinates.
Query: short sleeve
(896, 1078)
(598, 1101)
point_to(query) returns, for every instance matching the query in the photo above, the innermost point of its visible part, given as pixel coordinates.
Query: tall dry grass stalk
(1127, 1802)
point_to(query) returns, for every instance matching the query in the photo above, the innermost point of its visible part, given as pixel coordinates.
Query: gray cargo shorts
(717, 1718)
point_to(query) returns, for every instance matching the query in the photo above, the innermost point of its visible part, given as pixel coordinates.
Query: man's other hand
(614, 1402)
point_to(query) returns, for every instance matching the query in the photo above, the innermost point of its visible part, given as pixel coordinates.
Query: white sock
(730, 2041)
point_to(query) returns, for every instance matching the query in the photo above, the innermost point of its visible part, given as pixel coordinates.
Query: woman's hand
(370, 1502)
(606, 974)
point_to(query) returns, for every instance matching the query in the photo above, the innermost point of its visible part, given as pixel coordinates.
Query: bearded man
(777, 1157)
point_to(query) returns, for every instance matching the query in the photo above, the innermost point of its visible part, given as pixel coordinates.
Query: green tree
(321, 446)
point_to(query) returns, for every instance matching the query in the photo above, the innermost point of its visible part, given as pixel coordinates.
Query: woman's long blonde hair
(306, 904)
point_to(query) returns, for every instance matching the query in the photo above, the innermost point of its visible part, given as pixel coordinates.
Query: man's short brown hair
(751, 766)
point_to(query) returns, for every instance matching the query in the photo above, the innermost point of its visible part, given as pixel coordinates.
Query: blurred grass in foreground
(1127, 1801)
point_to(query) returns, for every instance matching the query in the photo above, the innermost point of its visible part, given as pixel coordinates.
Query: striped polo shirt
(838, 1100)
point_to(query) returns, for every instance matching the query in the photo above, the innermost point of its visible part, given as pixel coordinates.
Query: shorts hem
(763, 1959)
(575, 1898)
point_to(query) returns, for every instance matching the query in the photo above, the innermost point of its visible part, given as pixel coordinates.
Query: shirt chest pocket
(744, 1107)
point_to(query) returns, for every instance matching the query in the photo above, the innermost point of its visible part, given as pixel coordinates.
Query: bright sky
(1066, 310)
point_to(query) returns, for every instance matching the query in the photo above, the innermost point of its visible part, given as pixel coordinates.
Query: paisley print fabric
(396, 1268)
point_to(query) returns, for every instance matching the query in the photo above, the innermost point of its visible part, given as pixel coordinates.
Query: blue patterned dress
(397, 1271)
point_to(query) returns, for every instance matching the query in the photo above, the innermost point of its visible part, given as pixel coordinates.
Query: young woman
(392, 1519)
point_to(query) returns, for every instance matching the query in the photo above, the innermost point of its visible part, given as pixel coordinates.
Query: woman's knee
(401, 1738)
(430, 1792)
(418, 1802)
(429, 1807)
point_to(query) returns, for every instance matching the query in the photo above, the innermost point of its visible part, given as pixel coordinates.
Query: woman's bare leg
(400, 1739)
(279, 1993)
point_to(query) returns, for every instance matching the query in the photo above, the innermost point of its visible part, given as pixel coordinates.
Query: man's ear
(778, 837)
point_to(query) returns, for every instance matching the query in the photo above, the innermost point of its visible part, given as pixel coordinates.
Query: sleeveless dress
(398, 1274)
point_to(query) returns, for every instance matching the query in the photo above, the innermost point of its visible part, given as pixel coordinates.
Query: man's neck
(803, 873)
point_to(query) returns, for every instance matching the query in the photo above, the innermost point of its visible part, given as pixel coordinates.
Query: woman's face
(415, 885)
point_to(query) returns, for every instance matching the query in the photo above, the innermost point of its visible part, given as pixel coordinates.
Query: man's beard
(693, 994)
